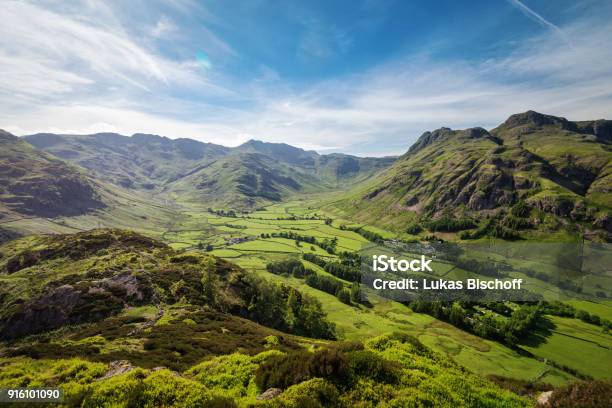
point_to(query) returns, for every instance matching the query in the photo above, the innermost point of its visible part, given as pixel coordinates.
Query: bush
(368, 364)
(161, 388)
(414, 228)
(294, 368)
(448, 224)
(310, 394)
(231, 373)
(344, 295)
(520, 209)
(584, 394)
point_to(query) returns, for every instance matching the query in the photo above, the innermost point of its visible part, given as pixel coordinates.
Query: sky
(365, 77)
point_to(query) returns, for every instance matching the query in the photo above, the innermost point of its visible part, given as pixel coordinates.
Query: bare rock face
(543, 399)
(270, 393)
(117, 367)
(532, 118)
(604, 222)
(84, 301)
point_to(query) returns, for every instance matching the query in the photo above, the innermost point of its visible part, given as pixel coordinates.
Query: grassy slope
(171, 327)
(33, 183)
(561, 172)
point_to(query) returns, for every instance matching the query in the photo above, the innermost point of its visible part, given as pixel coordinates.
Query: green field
(239, 240)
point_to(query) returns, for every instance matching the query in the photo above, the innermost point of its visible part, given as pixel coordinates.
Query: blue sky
(365, 77)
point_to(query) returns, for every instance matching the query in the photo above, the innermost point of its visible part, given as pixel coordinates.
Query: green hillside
(33, 183)
(244, 177)
(127, 319)
(140, 161)
(227, 276)
(535, 176)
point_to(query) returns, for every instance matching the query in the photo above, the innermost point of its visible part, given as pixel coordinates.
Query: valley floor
(246, 239)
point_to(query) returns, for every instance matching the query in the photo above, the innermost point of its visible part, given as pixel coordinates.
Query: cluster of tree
(292, 235)
(328, 245)
(317, 260)
(414, 228)
(521, 209)
(223, 213)
(207, 247)
(450, 224)
(565, 310)
(284, 308)
(493, 228)
(321, 282)
(369, 235)
(348, 268)
(235, 226)
(289, 267)
(327, 284)
(515, 223)
(342, 271)
(464, 315)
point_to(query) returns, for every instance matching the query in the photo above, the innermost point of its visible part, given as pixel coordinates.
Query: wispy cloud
(68, 72)
(320, 41)
(163, 27)
(538, 18)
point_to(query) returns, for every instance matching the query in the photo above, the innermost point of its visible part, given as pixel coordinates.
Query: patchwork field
(254, 239)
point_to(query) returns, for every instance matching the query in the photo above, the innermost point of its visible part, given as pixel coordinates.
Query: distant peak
(6, 136)
(534, 118)
(428, 138)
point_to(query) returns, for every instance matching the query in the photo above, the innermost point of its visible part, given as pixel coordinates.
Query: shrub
(414, 228)
(310, 394)
(448, 224)
(520, 209)
(293, 368)
(161, 388)
(368, 364)
(231, 373)
(344, 295)
(585, 394)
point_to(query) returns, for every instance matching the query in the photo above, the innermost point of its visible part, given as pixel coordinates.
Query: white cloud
(534, 16)
(69, 73)
(163, 27)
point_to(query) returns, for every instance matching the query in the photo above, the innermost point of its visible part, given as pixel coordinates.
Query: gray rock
(270, 393)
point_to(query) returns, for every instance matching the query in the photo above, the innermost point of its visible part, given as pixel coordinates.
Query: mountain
(558, 170)
(243, 180)
(140, 161)
(246, 176)
(33, 183)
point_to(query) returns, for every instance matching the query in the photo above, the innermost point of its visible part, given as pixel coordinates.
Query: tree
(355, 292)
(344, 295)
(457, 314)
(209, 281)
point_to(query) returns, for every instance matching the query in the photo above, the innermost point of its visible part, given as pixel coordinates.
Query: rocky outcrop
(601, 128)
(117, 367)
(269, 394)
(84, 301)
(604, 222)
(536, 119)
(36, 184)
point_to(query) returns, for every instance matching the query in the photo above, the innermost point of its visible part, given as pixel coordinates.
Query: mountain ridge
(562, 171)
(268, 173)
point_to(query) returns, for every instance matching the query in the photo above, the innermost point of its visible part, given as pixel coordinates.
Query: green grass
(579, 345)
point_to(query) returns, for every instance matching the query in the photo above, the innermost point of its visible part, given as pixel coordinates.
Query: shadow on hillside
(543, 330)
